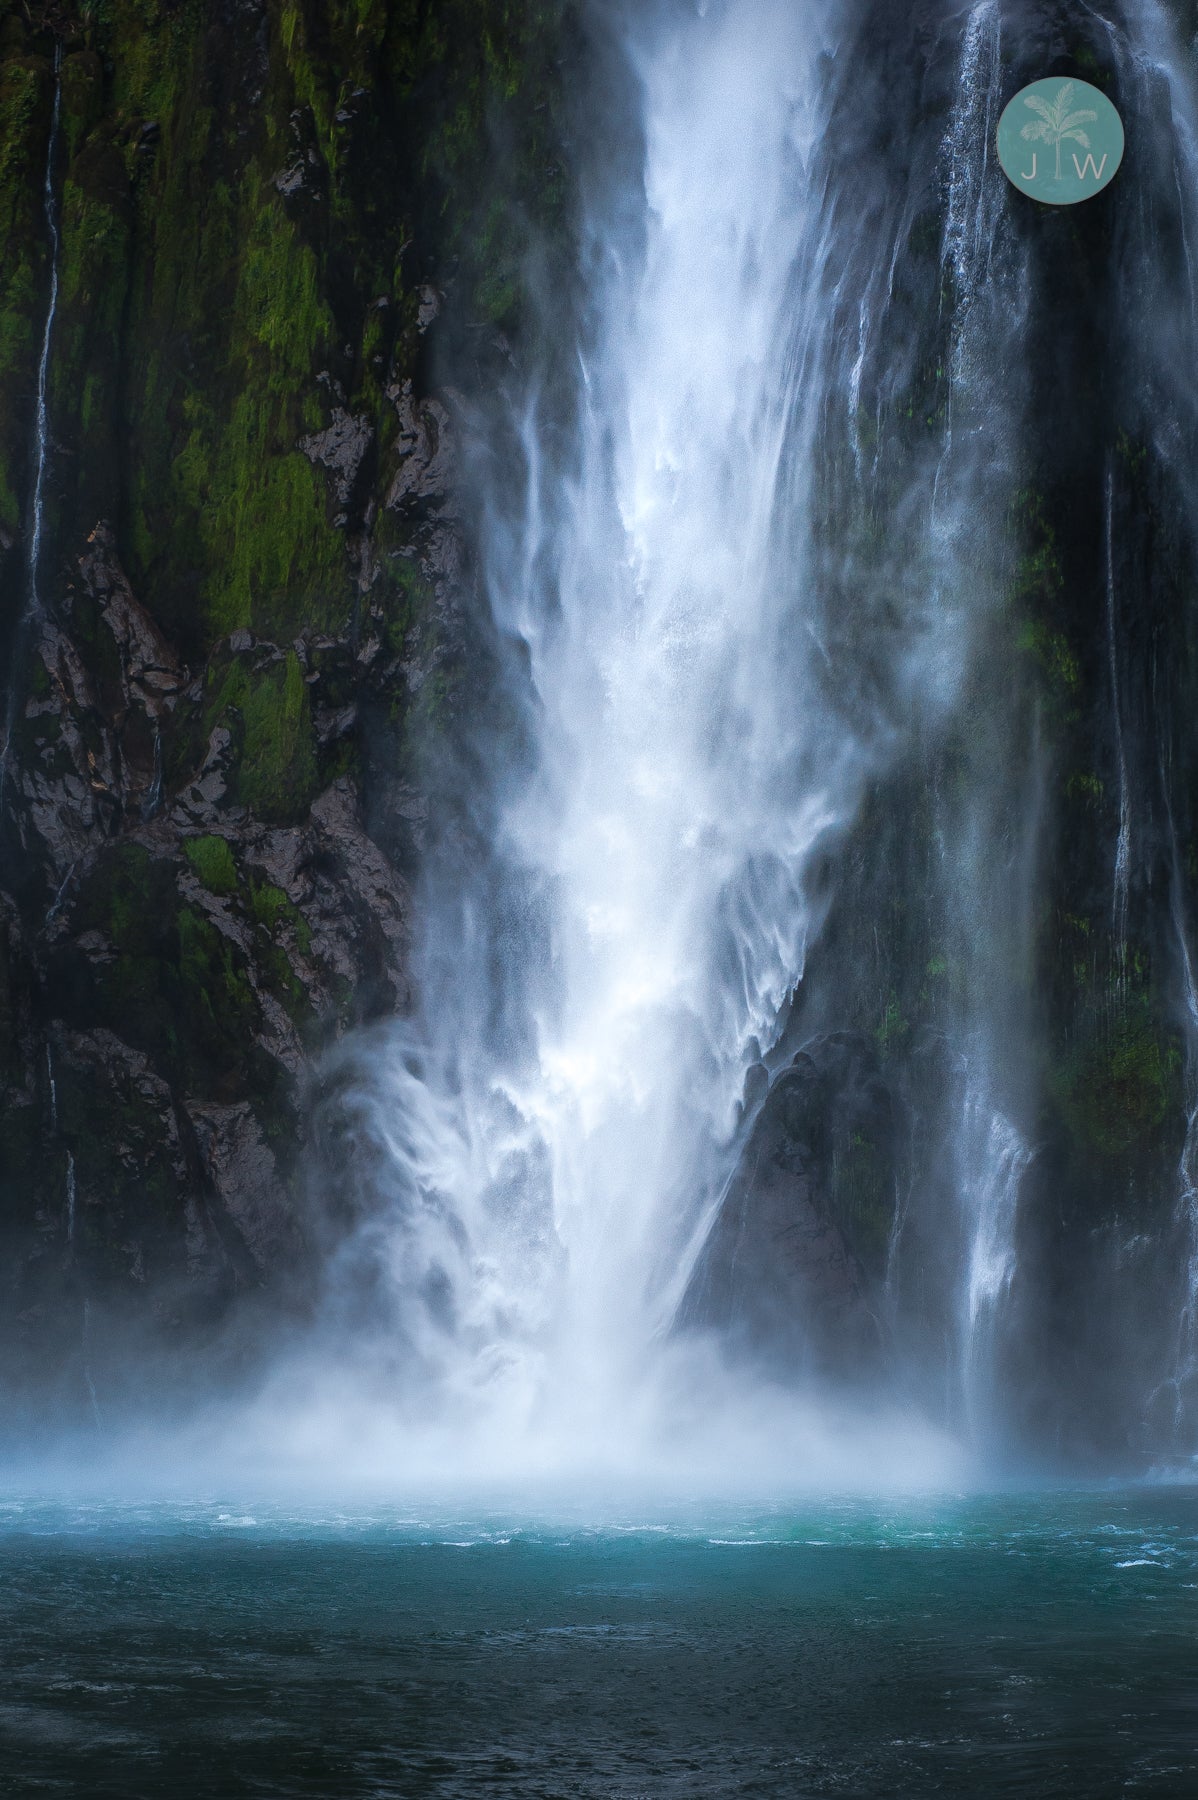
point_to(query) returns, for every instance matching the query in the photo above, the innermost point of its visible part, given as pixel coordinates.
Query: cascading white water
(560, 1174)
(1172, 349)
(559, 1122)
(993, 1165)
(598, 973)
(986, 869)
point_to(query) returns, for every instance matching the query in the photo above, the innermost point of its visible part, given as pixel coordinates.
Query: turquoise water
(1033, 1645)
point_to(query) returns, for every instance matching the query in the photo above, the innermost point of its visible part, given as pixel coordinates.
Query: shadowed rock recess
(298, 241)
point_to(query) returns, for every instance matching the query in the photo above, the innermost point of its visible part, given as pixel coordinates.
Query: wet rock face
(251, 590)
(1088, 766)
(803, 1231)
(184, 958)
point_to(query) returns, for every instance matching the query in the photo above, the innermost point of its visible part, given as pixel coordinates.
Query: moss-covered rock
(1121, 1089)
(271, 218)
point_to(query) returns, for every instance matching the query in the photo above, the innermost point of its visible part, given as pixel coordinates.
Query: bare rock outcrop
(785, 1274)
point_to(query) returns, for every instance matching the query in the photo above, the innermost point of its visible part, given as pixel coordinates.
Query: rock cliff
(270, 217)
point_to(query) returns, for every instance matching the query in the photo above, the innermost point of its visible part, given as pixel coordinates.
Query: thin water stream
(36, 521)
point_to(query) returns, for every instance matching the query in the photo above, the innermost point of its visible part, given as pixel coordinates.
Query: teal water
(1039, 1645)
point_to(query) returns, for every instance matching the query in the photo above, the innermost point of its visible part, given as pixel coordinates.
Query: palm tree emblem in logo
(1056, 124)
(1075, 119)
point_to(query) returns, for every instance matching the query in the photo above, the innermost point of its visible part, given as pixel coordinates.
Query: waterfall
(41, 428)
(995, 1160)
(59, 900)
(988, 838)
(32, 603)
(153, 798)
(1166, 359)
(616, 928)
(725, 593)
(1182, 1379)
(561, 1127)
(1123, 842)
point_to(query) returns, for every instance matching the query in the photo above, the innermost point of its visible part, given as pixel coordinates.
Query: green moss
(1052, 652)
(175, 986)
(269, 712)
(1119, 1092)
(216, 991)
(1133, 452)
(1038, 571)
(207, 323)
(85, 368)
(273, 910)
(93, 244)
(259, 507)
(129, 889)
(277, 778)
(893, 1026)
(278, 919)
(82, 78)
(272, 510)
(227, 520)
(212, 859)
(409, 599)
(21, 84)
(1037, 593)
(24, 123)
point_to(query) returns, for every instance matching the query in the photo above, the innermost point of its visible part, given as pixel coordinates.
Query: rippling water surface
(1018, 1645)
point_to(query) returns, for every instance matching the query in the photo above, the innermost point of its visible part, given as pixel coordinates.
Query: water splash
(995, 1160)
